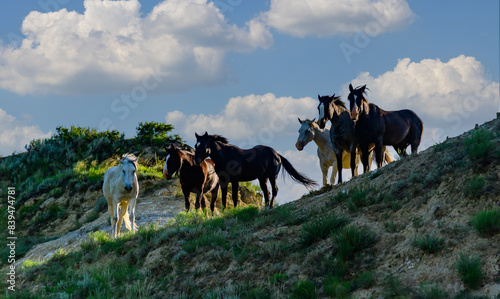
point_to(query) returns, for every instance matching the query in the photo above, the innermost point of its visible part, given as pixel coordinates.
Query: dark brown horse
(342, 134)
(374, 125)
(198, 179)
(234, 165)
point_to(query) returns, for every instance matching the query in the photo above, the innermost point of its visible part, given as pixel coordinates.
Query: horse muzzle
(354, 114)
(299, 145)
(128, 188)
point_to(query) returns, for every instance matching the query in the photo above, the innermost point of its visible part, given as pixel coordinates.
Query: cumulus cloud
(260, 117)
(450, 97)
(323, 18)
(111, 46)
(14, 135)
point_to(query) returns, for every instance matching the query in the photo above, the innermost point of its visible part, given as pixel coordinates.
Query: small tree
(154, 132)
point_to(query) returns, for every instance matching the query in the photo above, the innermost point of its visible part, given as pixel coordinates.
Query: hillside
(401, 231)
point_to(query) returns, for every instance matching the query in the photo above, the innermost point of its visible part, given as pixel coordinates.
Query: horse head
(202, 148)
(129, 168)
(172, 162)
(358, 103)
(325, 109)
(306, 133)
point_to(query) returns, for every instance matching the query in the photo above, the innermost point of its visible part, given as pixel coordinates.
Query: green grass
(479, 146)
(351, 239)
(278, 278)
(475, 187)
(470, 269)
(431, 291)
(487, 223)
(205, 241)
(303, 289)
(320, 228)
(428, 243)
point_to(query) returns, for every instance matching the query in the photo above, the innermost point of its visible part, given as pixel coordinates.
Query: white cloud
(259, 117)
(15, 135)
(111, 47)
(323, 18)
(450, 97)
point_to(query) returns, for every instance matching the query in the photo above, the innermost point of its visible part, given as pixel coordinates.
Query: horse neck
(321, 138)
(187, 159)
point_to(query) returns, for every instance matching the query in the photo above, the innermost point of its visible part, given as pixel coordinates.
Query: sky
(243, 69)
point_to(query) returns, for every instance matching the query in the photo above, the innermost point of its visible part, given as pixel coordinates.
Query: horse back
(400, 124)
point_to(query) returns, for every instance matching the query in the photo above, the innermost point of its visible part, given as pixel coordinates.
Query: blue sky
(243, 69)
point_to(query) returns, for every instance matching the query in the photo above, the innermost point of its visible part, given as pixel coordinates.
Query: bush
(471, 271)
(320, 228)
(351, 239)
(154, 132)
(428, 243)
(475, 187)
(478, 145)
(487, 223)
(303, 289)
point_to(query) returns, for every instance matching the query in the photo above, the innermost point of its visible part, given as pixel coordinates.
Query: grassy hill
(426, 226)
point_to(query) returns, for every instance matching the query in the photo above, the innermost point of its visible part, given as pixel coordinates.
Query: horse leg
(324, 171)
(334, 172)
(186, 199)
(378, 153)
(364, 157)
(234, 186)
(274, 189)
(132, 213)
(224, 195)
(338, 158)
(203, 201)
(111, 212)
(123, 210)
(354, 168)
(215, 193)
(265, 190)
(199, 194)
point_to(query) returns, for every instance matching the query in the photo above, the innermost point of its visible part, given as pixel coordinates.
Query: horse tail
(295, 175)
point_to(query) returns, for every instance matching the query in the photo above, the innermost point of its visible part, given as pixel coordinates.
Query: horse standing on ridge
(310, 131)
(199, 179)
(121, 188)
(234, 165)
(375, 125)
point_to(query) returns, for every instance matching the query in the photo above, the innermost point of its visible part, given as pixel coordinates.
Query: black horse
(199, 179)
(234, 165)
(374, 125)
(342, 134)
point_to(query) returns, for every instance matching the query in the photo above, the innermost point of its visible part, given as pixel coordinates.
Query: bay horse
(342, 133)
(234, 165)
(198, 179)
(310, 131)
(121, 188)
(374, 125)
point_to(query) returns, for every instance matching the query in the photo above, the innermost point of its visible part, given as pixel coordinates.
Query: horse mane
(130, 158)
(337, 101)
(218, 138)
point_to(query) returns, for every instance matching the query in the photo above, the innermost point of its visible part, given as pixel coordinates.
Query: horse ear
(300, 121)
(121, 161)
(314, 119)
(363, 88)
(350, 87)
(319, 98)
(174, 147)
(196, 135)
(206, 134)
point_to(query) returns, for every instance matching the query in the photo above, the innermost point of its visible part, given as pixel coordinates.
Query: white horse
(310, 131)
(121, 189)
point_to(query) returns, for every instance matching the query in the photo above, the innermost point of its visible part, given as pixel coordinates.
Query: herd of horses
(356, 134)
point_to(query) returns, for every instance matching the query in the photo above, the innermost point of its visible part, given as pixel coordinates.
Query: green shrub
(340, 197)
(487, 223)
(428, 243)
(479, 146)
(393, 287)
(303, 289)
(431, 291)
(471, 271)
(336, 288)
(278, 278)
(154, 132)
(475, 187)
(320, 228)
(351, 239)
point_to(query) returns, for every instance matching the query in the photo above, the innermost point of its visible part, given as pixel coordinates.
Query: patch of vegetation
(394, 288)
(156, 133)
(320, 228)
(303, 289)
(351, 239)
(487, 223)
(428, 243)
(431, 291)
(470, 269)
(475, 187)
(479, 146)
